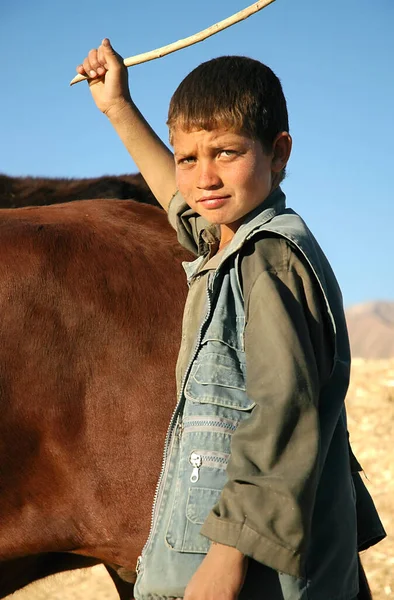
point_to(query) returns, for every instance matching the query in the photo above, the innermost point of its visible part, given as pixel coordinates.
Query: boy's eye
(227, 152)
(186, 160)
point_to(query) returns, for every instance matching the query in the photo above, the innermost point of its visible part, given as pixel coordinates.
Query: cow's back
(91, 295)
(38, 191)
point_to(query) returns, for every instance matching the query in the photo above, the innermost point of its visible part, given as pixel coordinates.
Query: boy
(256, 498)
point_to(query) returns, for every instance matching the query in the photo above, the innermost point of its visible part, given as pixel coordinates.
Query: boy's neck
(226, 235)
(227, 232)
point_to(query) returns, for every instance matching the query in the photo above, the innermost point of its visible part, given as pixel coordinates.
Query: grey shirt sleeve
(266, 506)
(187, 223)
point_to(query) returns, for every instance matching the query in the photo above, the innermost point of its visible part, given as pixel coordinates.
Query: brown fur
(91, 298)
(37, 191)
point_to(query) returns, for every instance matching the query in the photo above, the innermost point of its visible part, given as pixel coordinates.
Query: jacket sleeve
(187, 223)
(266, 506)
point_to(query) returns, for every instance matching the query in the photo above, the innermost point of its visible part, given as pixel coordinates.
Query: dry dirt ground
(371, 424)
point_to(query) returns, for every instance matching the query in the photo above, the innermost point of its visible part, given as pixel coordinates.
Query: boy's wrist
(220, 575)
(120, 111)
(228, 553)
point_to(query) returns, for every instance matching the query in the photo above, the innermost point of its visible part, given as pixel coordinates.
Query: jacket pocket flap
(218, 379)
(200, 502)
(226, 331)
(219, 375)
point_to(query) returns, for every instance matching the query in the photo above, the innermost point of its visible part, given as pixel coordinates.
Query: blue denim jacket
(211, 404)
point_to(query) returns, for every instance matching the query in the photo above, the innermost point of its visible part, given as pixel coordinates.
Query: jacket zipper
(270, 214)
(173, 424)
(211, 424)
(206, 458)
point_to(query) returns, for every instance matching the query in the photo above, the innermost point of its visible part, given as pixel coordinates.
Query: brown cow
(91, 298)
(36, 191)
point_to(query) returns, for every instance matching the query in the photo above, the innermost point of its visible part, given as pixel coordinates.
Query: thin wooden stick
(192, 39)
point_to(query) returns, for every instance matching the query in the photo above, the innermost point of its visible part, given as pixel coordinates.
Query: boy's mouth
(212, 201)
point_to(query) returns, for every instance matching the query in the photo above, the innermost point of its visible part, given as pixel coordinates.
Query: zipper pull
(196, 462)
(179, 430)
(138, 565)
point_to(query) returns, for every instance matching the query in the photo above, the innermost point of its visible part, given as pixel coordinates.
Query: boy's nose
(207, 176)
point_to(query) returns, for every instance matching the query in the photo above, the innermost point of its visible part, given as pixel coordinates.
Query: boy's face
(221, 174)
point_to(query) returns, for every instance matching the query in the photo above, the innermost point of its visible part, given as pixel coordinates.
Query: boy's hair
(236, 92)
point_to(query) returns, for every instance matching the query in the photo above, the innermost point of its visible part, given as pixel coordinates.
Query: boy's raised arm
(108, 84)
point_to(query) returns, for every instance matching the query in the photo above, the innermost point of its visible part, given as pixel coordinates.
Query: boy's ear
(281, 150)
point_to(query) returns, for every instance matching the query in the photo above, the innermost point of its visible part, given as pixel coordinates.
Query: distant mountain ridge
(371, 329)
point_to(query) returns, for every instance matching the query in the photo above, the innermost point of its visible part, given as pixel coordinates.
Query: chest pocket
(216, 402)
(218, 374)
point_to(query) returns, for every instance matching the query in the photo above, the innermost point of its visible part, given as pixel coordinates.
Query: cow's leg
(123, 580)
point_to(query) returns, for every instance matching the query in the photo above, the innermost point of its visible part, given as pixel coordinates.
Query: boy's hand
(108, 78)
(220, 576)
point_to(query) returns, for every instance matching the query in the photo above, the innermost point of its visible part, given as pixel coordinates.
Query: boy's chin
(217, 217)
(227, 221)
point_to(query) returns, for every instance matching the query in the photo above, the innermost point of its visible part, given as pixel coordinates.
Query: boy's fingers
(102, 59)
(87, 67)
(99, 60)
(111, 58)
(94, 62)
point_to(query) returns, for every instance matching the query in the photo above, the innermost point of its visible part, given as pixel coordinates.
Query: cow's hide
(36, 191)
(91, 297)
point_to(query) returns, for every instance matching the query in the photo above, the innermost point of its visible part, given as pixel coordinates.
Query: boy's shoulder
(268, 251)
(277, 240)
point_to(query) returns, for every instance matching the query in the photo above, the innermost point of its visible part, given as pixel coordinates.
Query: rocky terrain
(370, 406)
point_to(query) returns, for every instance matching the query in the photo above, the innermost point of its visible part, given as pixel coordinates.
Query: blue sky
(335, 61)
